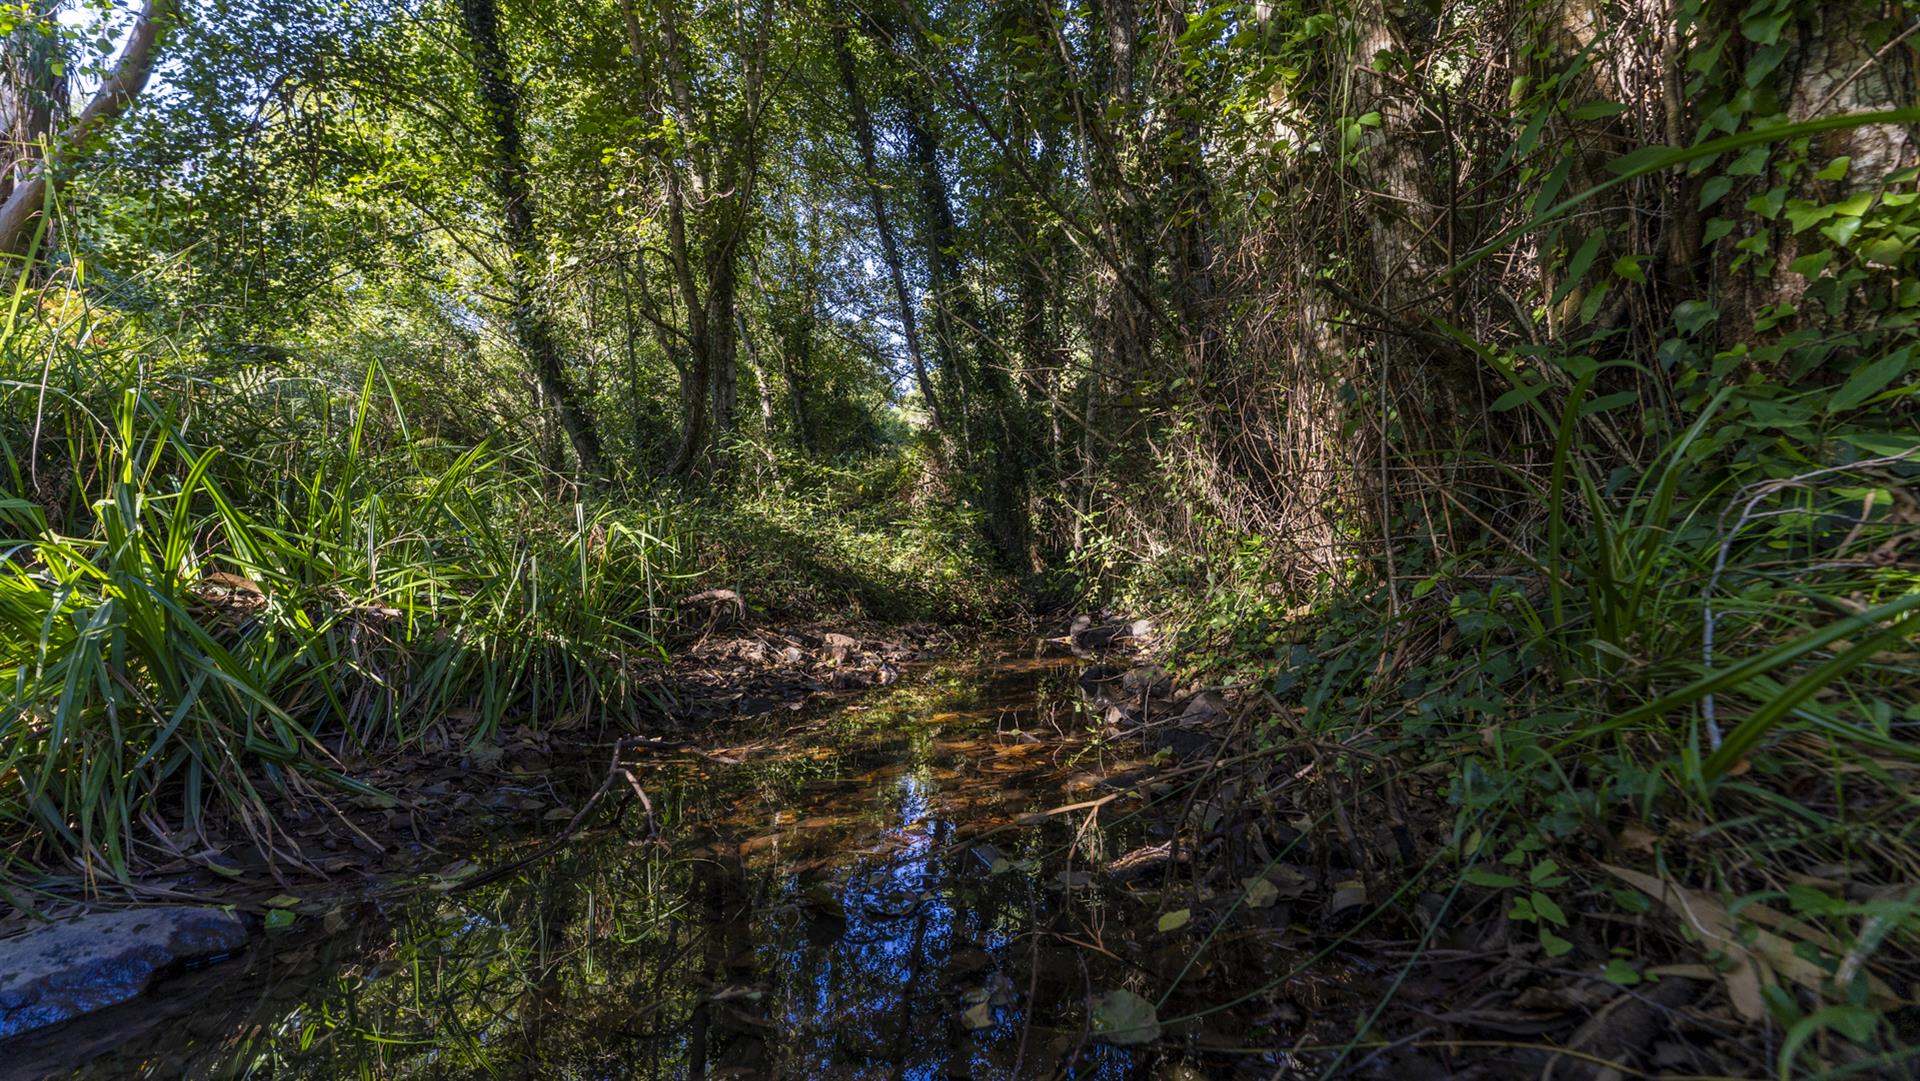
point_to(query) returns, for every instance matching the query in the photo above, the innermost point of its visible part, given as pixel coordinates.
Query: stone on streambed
(77, 966)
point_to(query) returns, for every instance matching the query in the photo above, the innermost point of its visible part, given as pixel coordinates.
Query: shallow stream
(953, 877)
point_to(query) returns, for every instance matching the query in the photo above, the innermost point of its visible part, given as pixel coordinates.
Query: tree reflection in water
(811, 919)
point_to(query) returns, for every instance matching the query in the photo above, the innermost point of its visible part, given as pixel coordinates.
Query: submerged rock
(77, 966)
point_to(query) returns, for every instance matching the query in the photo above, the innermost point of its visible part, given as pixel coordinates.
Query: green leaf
(1478, 877)
(1778, 704)
(1628, 267)
(1804, 214)
(1870, 380)
(1691, 316)
(1751, 163)
(1856, 1023)
(1762, 23)
(1768, 203)
(280, 919)
(1841, 230)
(1554, 944)
(1582, 262)
(1610, 401)
(1854, 206)
(1886, 251)
(1597, 110)
(1173, 921)
(1620, 972)
(1548, 908)
(1810, 265)
(1518, 396)
(1835, 169)
(1635, 161)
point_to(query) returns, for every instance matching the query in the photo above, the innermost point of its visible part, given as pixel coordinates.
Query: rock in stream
(77, 966)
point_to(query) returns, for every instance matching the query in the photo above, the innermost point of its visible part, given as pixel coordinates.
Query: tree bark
(31, 95)
(500, 105)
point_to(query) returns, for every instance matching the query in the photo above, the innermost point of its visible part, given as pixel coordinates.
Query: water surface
(873, 891)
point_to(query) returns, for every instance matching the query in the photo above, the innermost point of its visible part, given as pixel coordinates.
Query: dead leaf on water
(1122, 1017)
(977, 1016)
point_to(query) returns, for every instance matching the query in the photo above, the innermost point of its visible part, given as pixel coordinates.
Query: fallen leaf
(1755, 961)
(1349, 894)
(1637, 838)
(1122, 1017)
(1173, 921)
(1261, 893)
(978, 1016)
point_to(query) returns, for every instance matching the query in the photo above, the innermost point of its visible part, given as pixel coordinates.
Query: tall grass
(213, 589)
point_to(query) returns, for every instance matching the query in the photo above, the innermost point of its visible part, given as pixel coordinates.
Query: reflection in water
(812, 918)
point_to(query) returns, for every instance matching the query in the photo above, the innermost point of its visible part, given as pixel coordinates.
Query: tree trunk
(31, 95)
(862, 124)
(763, 387)
(20, 213)
(500, 104)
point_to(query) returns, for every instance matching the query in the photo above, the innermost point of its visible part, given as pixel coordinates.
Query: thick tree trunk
(31, 95)
(499, 102)
(20, 213)
(1190, 261)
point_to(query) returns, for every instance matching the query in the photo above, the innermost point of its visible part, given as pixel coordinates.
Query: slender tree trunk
(1190, 262)
(861, 121)
(500, 103)
(762, 385)
(722, 345)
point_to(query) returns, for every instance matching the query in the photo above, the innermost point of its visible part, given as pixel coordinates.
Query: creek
(956, 876)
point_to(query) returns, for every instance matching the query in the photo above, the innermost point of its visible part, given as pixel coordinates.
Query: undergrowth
(220, 585)
(1680, 687)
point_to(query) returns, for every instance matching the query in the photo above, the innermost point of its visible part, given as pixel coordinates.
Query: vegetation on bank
(1520, 393)
(221, 585)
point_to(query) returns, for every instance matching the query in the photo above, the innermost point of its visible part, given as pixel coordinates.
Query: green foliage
(217, 589)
